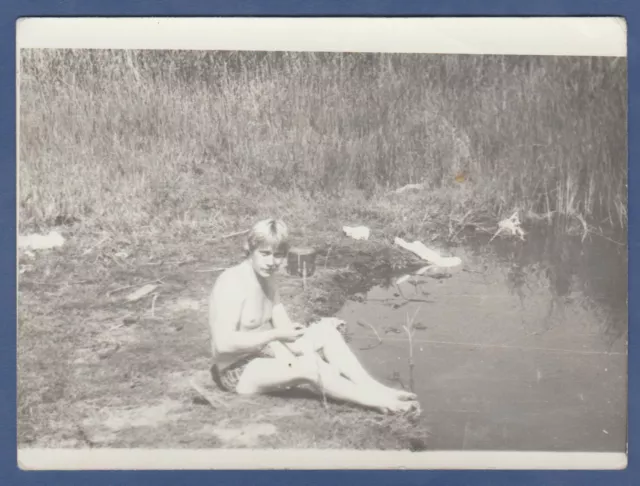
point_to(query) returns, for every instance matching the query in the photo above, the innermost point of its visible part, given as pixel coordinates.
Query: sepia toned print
(457, 223)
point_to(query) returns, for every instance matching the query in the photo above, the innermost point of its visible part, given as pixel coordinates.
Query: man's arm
(281, 320)
(279, 314)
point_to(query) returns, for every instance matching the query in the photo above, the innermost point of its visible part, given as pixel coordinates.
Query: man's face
(266, 260)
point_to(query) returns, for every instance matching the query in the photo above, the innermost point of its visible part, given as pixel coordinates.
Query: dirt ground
(98, 370)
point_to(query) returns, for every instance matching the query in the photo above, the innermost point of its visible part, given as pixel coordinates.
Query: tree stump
(301, 262)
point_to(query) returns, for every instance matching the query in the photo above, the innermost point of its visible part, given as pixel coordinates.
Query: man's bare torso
(256, 304)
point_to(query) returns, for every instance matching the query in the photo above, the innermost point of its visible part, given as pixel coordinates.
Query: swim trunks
(228, 379)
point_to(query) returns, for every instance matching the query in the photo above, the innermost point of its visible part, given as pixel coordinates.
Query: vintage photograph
(246, 249)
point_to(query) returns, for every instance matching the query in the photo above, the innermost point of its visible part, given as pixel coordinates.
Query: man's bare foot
(403, 395)
(399, 394)
(399, 406)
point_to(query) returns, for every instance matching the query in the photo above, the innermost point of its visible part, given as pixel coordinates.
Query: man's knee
(307, 367)
(322, 334)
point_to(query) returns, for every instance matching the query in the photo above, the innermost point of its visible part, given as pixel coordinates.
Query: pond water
(522, 347)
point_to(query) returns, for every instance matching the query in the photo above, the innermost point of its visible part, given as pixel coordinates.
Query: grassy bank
(193, 140)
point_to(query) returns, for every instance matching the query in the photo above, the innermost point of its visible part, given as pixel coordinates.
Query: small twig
(361, 322)
(211, 270)
(119, 289)
(304, 275)
(410, 334)
(597, 233)
(231, 235)
(495, 234)
(93, 247)
(153, 304)
(326, 258)
(179, 263)
(116, 261)
(585, 227)
(401, 293)
(409, 330)
(117, 326)
(367, 348)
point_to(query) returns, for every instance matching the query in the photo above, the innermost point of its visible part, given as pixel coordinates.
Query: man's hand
(289, 335)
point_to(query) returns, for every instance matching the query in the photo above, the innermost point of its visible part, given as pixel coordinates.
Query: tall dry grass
(130, 139)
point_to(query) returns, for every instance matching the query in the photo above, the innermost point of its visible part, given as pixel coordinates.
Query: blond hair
(268, 232)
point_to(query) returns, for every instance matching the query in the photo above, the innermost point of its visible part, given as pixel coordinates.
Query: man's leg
(339, 355)
(264, 375)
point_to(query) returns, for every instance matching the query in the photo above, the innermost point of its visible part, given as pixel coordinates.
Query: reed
(120, 139)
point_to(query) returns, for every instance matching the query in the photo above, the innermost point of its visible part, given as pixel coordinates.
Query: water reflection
(594, 267)
(522, 348)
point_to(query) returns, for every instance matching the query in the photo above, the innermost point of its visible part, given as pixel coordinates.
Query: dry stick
(93, 247)
(411, 364)
(207, 270)
(111, 292)
(496, 234)
(596, 232)
(326, 258)
(117, 326)
(409, 330)
(400, 292)
(231, 235)
(304, 275)
(372, 328)
(585, 227)
(153, 304)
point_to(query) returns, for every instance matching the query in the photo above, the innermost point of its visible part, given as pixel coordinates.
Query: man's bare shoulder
(232, 280)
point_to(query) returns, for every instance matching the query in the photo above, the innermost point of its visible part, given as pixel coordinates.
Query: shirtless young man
(257, 349)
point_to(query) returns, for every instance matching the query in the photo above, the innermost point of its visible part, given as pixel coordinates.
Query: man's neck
(265, 283)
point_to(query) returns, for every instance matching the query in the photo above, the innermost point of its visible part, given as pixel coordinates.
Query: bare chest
(257, 309)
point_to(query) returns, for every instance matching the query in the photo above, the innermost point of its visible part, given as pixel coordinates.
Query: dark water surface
(522, 347)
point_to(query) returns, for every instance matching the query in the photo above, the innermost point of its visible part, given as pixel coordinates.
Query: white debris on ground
(428, 254)
(510, 225)
(409, 187)
(40, 242)
(357, 232)
(141, 292)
